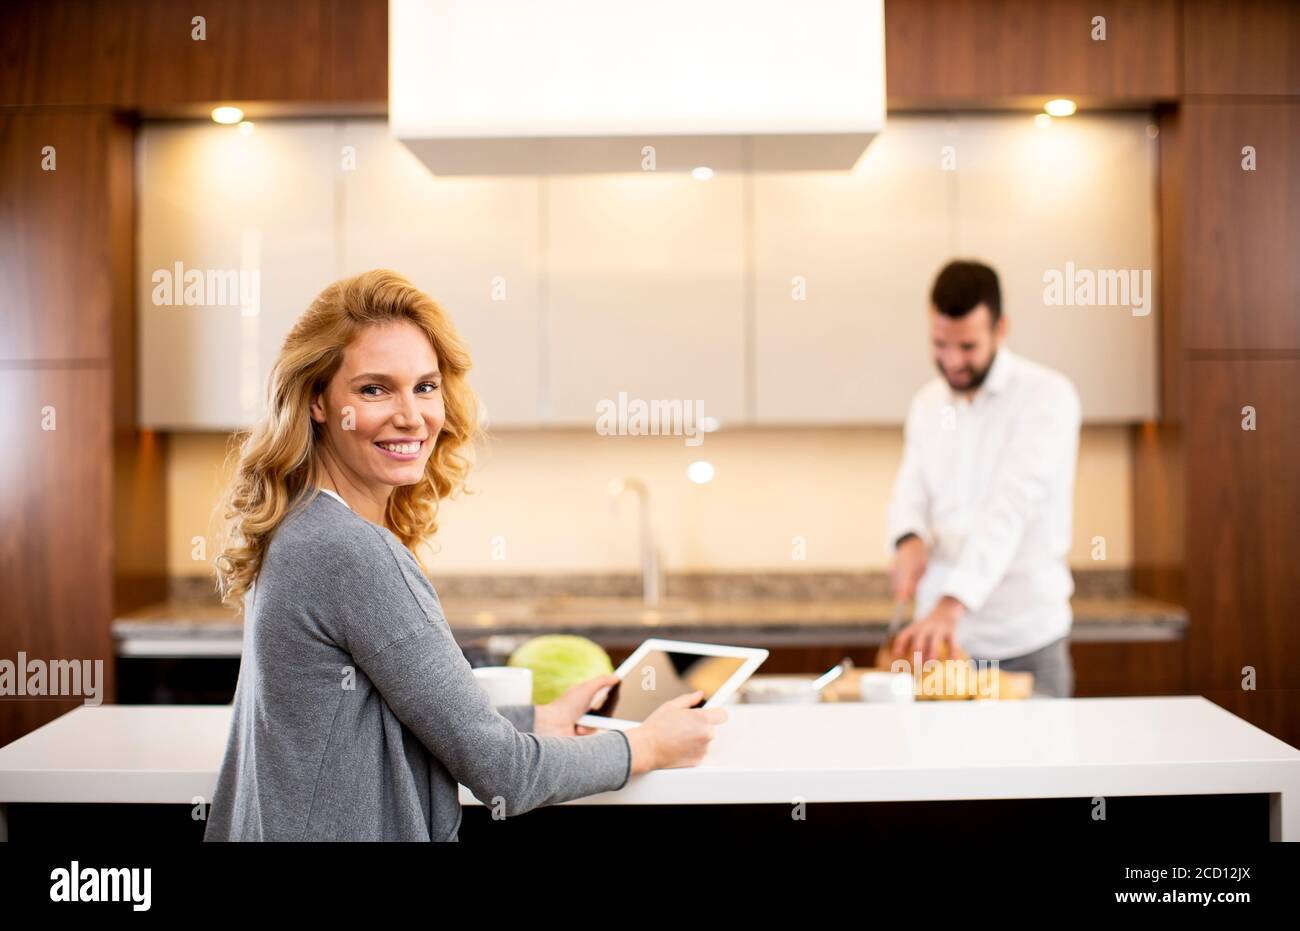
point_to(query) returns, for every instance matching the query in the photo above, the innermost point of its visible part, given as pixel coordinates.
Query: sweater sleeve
(523, 717)
(399, 638)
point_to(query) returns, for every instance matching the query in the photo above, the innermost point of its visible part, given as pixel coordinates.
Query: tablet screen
(659, 676)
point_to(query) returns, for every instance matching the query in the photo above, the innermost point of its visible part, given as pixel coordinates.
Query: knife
(896, 621)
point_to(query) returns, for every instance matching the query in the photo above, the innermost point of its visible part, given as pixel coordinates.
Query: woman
(356, 713)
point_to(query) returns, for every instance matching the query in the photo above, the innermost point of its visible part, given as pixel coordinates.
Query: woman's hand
(560, 717)
(675, 734)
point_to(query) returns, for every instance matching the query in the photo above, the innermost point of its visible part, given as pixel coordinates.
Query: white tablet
(659, 670)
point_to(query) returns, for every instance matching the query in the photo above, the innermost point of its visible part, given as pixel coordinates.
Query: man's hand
(560, 717)
(936, 628)
(905, 572)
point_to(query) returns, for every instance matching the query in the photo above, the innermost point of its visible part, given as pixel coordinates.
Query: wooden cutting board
(985, 684)
(956, 678)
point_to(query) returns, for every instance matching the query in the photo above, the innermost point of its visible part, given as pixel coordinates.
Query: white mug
(882, 686)
(506, 685)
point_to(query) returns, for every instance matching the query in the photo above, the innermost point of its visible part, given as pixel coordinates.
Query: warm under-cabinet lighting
(701, 472)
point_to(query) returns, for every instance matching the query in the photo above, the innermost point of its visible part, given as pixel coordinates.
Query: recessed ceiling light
(1061, 106)
(227, 115)
(702, 173)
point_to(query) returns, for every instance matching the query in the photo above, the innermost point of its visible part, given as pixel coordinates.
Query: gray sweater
(356, 712)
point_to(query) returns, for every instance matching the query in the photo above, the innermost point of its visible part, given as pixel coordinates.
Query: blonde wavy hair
(279, 457)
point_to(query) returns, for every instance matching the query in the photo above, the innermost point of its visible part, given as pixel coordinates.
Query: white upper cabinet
(215, 205)
(470, 243)
(1077, 197)
(645, 293)
(843, 263)
(771, 298)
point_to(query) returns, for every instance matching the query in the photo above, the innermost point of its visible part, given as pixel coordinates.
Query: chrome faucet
(652, 579)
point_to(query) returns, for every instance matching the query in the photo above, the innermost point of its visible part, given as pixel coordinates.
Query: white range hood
(551, 86)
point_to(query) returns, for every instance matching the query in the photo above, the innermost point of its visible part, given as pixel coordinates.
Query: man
(979, 523)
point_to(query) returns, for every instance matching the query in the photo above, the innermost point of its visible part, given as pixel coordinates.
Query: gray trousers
(1052, 668)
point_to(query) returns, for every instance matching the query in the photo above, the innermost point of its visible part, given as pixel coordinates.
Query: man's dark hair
(962, 286)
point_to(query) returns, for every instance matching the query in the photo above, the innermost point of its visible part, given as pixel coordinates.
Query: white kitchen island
(848, 752)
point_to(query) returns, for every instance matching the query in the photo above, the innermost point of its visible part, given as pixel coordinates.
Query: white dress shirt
(988, 485)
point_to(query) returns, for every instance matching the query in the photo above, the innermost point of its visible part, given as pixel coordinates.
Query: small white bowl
(780, 690)
(881, 686)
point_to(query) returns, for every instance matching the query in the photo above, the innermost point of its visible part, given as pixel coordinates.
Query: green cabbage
(559, 661)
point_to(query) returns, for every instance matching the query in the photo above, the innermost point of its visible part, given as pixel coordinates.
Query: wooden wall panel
(1242, 228)
(139, 458)
(139, 519)
(975, 52)
(140, 54)
(1159, 512)
(119, 201)
(52, 222)
(1129, 668)
(1171, 193)
(357, 68)
(1240, 234)
(67, 344)
(55, 551)
(1244, 47)
(1244, 526)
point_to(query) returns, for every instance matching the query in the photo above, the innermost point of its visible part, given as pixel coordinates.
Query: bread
(956, 677)
(885, 656)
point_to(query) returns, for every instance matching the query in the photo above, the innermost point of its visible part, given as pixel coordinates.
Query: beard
(975, 376)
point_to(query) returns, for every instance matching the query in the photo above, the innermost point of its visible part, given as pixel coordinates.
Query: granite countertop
(182, 625)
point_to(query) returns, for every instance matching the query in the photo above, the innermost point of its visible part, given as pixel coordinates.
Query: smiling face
(382, 411)
(964, 346)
